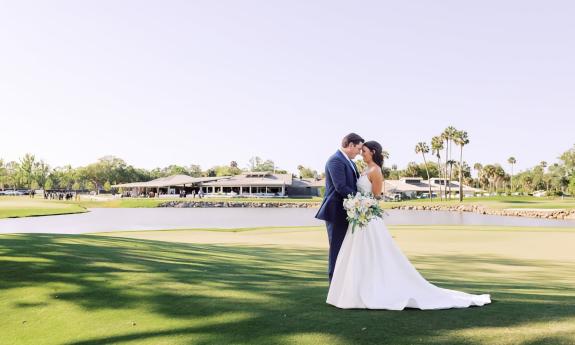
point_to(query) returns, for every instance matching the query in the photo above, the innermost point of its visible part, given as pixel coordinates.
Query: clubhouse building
(268, 184)
(249, 184)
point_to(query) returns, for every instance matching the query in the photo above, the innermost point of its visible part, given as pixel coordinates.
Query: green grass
(24, 206)
(14, 207)
(498, 202)
(108, 289)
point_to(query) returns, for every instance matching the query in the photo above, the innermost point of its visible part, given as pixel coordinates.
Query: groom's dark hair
(351, 138)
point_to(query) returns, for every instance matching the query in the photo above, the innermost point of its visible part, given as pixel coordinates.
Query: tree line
(31, 173)
(555, 179)
(446, 162)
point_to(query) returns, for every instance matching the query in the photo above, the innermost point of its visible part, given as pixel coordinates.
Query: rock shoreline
(238, 204)
(530, 213)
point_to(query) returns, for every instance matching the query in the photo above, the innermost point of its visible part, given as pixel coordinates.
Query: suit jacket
(340, 181)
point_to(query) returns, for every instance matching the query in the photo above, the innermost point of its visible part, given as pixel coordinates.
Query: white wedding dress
(371, 272)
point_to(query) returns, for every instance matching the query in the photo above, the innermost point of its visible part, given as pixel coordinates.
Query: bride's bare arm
(376, 178)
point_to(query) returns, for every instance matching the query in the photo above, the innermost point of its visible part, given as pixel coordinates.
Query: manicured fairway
(11, 207)
(268, 286)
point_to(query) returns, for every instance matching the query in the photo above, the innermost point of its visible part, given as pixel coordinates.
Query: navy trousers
(335, 233)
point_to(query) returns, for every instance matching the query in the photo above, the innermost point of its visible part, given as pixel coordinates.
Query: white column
(241, 190)
(283, 190)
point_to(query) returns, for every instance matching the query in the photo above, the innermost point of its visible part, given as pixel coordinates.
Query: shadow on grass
(281, 291)
(520, 202)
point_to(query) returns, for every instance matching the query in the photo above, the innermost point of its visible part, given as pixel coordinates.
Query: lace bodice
(364, 184)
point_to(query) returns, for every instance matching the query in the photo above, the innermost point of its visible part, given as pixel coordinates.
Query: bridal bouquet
(361, 209)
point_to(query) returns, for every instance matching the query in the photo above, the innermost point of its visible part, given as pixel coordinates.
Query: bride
(371, 272)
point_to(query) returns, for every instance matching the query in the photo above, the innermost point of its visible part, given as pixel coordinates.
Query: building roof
(423, 186)
(410, 184)
(174, 180)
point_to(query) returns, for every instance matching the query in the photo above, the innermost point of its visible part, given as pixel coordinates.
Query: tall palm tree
(436, 147)
(448, 135)
(461, 139)
(445, 137)
(423, 149)
(511, 160)
(450, 163)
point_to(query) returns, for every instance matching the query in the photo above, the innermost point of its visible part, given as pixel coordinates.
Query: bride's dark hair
(376, 151)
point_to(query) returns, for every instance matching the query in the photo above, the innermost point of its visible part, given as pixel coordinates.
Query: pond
(115, 219)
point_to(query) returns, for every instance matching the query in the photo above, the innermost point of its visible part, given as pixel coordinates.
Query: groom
(340, 180)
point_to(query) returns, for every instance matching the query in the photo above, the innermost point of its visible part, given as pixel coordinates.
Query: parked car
(13, 192)
(426, 196)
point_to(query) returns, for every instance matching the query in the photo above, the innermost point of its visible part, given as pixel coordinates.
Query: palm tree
(436, 147)
(511, 160)
(445, 138)
(423, 149)
(478, 167)
(489, 173)
(461, 139)
(499, 175)
(448, 135)
(450, 163)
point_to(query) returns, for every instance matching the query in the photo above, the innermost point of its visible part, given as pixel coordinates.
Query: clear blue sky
(207, 82)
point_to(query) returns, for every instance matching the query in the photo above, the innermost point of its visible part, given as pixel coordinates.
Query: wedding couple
(366, 268)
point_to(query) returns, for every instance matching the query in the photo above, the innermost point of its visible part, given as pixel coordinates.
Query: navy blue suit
(340, 181)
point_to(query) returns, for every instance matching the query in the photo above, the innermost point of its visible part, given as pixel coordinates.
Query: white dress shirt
(349, 160)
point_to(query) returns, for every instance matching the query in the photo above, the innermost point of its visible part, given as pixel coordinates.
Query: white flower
(361, 209)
